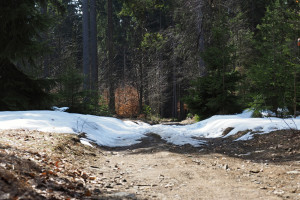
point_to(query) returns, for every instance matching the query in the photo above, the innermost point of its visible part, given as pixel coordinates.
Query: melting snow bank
(107, 131)
(104, 131)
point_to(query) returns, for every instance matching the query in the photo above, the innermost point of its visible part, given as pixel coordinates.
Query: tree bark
(110, 57)
(174, 106)
(200, 17)
(85, 38)
(45, 58)
(141, 88)
(93, 46)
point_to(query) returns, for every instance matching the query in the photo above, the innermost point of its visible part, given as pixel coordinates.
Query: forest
(151, 58)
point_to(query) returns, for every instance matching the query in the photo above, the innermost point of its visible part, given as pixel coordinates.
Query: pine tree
(21, 25)
(272, 71)
(215, 92)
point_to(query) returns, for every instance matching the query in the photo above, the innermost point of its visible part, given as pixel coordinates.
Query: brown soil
(37, 165)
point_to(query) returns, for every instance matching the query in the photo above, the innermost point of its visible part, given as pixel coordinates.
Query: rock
(278, 192)
(124, 195)
(254, 171)
(293, 190)
(293, 172)
(198, 161)
(109, 186)
(169, 185)
(97, 191)
(5, 196)
(226, 167)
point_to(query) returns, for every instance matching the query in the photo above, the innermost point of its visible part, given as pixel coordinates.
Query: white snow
(62, 109)
(107, 131)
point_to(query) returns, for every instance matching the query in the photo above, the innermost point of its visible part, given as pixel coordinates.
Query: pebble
(124, 195)
(293, 172)
(254, 171)
(226, 167)
(5, 196)
(278, 192)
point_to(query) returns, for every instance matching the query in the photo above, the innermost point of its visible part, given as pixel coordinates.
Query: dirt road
(35, 165)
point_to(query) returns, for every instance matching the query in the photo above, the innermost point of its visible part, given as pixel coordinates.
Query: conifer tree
(215, 92)
(21, 25)
(272, 71)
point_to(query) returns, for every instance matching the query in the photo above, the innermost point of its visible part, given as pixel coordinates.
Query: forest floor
(38, 165)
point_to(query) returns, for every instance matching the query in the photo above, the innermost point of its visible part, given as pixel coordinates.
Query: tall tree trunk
(141, 88)
(124, 66)
(85, 38)
(295, 94)
(45, 58)
(110, 57)
(93, 45)
(201, 64)
(174, 104)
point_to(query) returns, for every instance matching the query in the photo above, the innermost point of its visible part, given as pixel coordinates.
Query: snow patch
(62, 109)
(86, 142)
(112, 132)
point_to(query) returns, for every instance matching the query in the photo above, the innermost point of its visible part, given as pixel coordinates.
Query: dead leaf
(56, 163)
(44, 174)
(88, 193)
(32, 175)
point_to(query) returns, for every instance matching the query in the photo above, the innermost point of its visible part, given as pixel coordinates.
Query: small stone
(169, 185)
(80, 185)
(254, 171)
(278, 192)
(293, 172)
(124, 195)
(226, 167)
(5, 196)
(109, 186)
(92, 178)
(97, 191)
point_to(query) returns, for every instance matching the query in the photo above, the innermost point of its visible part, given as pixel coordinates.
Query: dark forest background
(151, 58)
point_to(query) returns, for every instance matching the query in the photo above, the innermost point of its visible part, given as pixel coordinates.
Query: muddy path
(36, 165)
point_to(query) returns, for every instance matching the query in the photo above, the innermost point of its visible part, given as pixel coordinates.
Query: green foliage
(215, 93)
(95, 106)
(207, 97)
(218, 54)
(19, 92)
(197, 118)
(152, 40)
(189, 116)
(147, 110)
(258, 105)
(21, 26)
(272, 70)
(69, 93)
